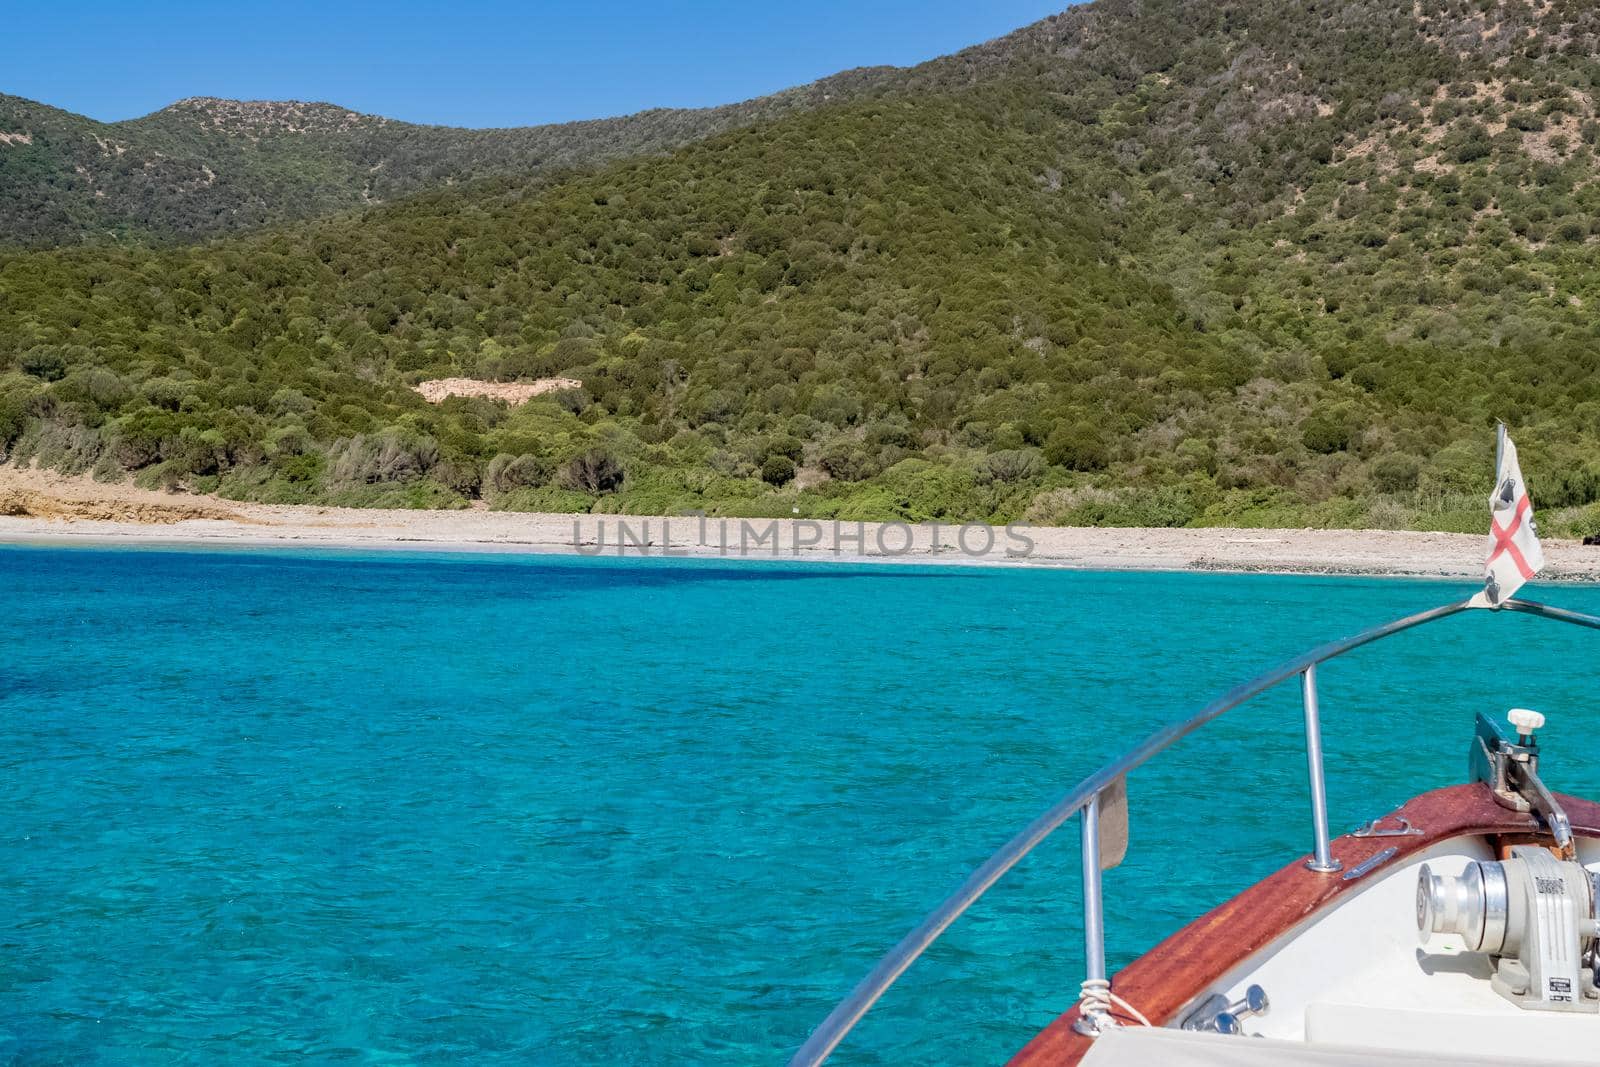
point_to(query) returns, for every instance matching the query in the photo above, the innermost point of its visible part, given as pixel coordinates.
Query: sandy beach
(40, 507)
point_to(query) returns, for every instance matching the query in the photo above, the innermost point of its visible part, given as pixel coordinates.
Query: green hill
(205, 167)
(1151, 263)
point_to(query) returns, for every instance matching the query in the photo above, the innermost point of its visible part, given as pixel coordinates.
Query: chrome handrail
(820, 1045)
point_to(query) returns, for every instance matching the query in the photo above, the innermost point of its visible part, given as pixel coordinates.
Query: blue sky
(472, 63)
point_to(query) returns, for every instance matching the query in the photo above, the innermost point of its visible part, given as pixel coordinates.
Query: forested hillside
(204, 167)
(1148, 263)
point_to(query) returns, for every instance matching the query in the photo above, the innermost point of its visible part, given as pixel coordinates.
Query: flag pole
(1499, 449)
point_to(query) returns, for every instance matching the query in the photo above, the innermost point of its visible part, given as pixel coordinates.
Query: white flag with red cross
(1514, 552)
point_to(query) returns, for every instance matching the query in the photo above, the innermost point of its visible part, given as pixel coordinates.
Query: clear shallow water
(270, 807)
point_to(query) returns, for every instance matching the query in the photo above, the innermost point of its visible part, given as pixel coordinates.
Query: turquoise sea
(273, 807)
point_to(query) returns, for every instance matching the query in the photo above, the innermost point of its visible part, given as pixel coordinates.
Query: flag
(1514, 552)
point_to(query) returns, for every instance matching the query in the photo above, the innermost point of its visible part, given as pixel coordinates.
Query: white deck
(1358, 977)
(1138, 1047)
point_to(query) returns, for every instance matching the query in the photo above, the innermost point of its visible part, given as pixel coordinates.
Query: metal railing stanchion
(1321, 857)
(1094, 916)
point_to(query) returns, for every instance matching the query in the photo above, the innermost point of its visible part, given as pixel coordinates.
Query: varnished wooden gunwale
(1166, 978)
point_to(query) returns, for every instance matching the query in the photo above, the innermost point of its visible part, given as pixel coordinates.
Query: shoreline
(216, 537)
(45, 509)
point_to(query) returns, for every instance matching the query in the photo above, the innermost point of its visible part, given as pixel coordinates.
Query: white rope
(1095, 1001)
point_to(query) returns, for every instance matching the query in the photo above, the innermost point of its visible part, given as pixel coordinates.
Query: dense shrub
(507, 473)
(45, 363)
(1013, 465)
(1326, 432)
(846, 459)
(1078, 446)
(785, 445)
(13, 418)
(778, 470)
(1395, 473)
(594, 471)
(389, 456)
(1092, 506)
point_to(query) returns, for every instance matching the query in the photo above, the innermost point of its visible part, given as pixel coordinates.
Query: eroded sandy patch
(439, 389)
